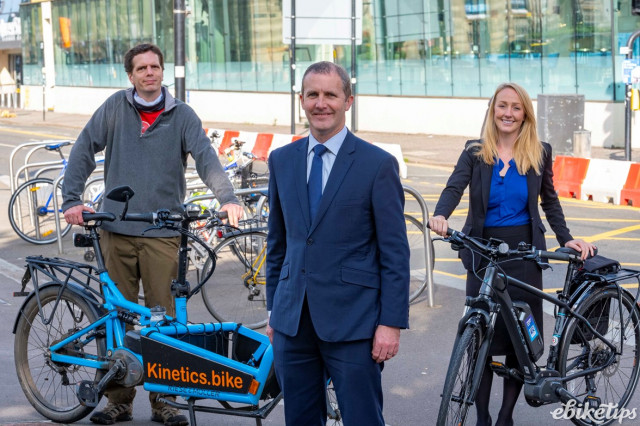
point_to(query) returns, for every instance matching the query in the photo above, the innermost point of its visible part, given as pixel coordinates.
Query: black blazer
(471, 171)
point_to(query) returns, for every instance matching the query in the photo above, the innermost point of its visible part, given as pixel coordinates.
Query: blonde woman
(507, 171)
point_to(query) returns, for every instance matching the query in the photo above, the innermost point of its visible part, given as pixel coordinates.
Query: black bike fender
(585, 289)
(75, 288)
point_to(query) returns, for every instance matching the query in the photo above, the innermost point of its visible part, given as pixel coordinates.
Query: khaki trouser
(154, 261)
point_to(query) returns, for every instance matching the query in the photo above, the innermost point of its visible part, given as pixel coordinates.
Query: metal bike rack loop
(56, 207)
(15, 151)
(428, 253)
(56, 215)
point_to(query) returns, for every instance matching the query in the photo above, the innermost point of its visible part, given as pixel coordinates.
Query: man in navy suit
(337, 260)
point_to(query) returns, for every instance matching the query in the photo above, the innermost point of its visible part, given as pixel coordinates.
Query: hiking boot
(168, 415)
(113, 413)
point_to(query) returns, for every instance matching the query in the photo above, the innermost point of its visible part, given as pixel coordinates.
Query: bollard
(582, 143)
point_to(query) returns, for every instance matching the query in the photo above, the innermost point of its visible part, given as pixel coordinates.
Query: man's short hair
(326, 67)
(139, 49)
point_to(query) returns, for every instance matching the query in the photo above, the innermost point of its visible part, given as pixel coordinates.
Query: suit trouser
(304, 362)
(129, 260)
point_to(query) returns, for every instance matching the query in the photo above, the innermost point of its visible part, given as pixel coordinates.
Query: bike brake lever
(543, 265)
(455, 244)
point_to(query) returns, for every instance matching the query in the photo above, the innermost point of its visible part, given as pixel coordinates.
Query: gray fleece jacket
(152, 163)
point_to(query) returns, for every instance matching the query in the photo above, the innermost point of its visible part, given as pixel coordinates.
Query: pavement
(442, 150)
(411, 382)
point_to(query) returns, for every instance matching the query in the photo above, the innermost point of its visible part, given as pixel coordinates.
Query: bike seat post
(95, 238)
(180, 286)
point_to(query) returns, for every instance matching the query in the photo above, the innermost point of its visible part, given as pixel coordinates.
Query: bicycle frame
(251, 276)
(212, 374)
(493, 298)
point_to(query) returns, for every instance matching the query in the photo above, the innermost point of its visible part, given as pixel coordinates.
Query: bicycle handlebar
(498, 248)
(165, 216)
(87, 217)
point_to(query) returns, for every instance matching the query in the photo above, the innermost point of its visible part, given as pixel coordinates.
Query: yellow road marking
(595, 204)
(26, 132)
(462, 277)
(553, 290)
(588, 219)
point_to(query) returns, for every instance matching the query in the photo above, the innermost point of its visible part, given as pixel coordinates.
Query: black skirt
(526, 271)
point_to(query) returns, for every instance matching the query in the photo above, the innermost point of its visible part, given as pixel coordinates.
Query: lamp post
(179, 13)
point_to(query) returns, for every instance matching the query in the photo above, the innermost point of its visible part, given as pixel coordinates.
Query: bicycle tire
(334, 417)
(262, 208)
(415, 236)
(93, 192)
(458, 384)
(227, 295)
(29, 213)
(580, 349)
(53, 393)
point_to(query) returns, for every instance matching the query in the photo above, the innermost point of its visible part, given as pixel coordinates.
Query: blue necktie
(315, 180)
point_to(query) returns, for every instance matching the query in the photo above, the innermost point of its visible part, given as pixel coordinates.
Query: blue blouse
(508, 197)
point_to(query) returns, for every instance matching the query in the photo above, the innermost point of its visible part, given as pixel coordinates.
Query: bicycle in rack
(75, 334)
(237, 290)
(31, 211)
(593, 359)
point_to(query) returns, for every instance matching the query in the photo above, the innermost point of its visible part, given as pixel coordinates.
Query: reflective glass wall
(461, 48)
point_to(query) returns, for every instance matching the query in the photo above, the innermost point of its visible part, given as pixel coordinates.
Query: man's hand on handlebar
(586, 249)
(439, 225)
(235, 212)
(73, 215)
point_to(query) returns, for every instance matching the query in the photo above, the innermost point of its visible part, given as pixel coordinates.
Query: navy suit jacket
(473, 172)
(352, 261)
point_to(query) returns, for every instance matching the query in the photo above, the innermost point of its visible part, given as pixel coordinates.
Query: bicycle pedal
(499, 369)
(593, 401)
(87, 394)
(502, 370)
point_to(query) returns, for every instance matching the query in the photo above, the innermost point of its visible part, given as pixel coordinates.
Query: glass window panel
(31, 29)
(558, 29)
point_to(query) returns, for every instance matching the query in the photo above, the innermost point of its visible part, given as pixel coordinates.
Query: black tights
(510, 393)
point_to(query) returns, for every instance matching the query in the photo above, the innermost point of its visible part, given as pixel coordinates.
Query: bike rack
(240, 192)
(56, 207)
(428, 253)
(47, 166)
(14, 152)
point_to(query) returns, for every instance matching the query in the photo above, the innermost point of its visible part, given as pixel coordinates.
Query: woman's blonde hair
(528, 150)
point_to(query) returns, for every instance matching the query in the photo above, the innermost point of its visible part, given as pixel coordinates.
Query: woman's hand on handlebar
(439, 225)
(235, 212)
(73, 215)
(586, 249)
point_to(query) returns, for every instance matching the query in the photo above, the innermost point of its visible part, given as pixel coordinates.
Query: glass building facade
(435, 48)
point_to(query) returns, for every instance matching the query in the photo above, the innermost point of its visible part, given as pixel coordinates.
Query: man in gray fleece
(146, 135)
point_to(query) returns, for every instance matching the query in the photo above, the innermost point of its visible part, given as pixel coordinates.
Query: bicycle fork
(478, 316)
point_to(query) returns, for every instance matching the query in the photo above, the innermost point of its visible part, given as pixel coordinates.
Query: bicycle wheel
(334, 417)
(93, 192)
(31, 212)
(457, 392)
(581, 350)
(236, 292)
(417, 262)
(51, 387)
(262, 208)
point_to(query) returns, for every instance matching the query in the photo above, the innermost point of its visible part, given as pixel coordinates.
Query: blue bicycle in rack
(31, 206)
(76, 334)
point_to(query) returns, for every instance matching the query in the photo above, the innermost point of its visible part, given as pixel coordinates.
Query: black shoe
(113, 413)
(168, 415)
